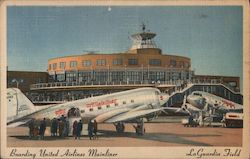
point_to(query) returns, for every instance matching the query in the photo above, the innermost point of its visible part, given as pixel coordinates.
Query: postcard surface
(127, 79)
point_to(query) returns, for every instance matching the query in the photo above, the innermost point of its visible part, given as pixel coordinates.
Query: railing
(99, 83)
(176, 94)
(171, 83)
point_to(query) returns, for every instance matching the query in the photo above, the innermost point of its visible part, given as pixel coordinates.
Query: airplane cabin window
(82, 111)
(91, 109)
(99, 108)
(132, 101)
(116, 104)
(108, 106)
(124, 102)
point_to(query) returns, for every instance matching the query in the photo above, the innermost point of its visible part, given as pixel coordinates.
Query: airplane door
(73, 115)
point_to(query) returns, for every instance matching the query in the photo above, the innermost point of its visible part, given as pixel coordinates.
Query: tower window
(155, 62)
(54, 66)
(117, 62)
(62, 65)
(73, 64)
(100, 62)
(132, 61)
(86, 63)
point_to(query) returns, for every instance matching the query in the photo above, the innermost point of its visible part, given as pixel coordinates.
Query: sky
(211, 36)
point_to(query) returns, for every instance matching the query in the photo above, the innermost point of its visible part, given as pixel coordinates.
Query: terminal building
(90, 74)
(143, 63)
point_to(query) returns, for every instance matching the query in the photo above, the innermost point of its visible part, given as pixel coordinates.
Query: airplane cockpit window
(197, 94)
(74, 112)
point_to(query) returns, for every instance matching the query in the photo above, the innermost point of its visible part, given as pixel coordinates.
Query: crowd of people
(61, 128)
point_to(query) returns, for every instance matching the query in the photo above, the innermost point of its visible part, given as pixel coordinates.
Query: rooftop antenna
(90, 51)
(143, 27)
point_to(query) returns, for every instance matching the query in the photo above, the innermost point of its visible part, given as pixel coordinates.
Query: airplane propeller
(183, 108)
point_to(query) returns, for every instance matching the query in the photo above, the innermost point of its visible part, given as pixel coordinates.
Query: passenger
(66, 127)
(42, 129)
(56, 127)
(61, 127)
(79, 129)
(53, 127)
(31, 129)
(74, 129)
(90, 129)
(36, 132)
(95, 130)
(62, 118)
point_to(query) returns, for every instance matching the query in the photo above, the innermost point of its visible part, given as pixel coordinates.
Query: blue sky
(211, 36)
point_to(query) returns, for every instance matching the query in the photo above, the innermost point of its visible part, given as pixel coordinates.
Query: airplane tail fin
(18, 104)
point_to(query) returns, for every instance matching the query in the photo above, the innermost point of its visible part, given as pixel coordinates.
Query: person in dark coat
(75, 129)
(79, 129)
(54, 127)
(95, 129)
(90, 129)
(61, 127)
(31, 129)
(66, 127)
(42, 128)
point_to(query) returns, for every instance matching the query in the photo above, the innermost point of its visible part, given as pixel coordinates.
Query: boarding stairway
(177, 95)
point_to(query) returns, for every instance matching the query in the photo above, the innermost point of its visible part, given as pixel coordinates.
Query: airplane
(117, 108)
(204, 100)
(209, 106)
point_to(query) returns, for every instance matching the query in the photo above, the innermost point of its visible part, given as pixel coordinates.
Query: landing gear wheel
(139, 129)
(120, 127)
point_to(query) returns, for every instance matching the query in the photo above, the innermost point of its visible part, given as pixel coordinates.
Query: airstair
(177, 96)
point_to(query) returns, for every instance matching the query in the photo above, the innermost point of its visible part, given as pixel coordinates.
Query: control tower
(143, 39)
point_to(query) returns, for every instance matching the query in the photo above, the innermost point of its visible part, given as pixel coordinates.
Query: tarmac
(157, 134)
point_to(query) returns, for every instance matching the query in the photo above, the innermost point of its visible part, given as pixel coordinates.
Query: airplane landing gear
(139, 128)
(119, 127)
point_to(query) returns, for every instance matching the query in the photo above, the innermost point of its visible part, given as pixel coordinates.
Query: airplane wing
(121, 115)
(131, 115)
(16, 124)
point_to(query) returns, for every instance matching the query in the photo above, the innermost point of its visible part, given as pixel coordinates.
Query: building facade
(143, 63)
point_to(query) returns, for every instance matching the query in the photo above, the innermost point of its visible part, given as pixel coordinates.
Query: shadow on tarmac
(161, 137)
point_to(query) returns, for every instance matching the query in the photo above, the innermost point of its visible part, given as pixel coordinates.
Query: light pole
(17, 82)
